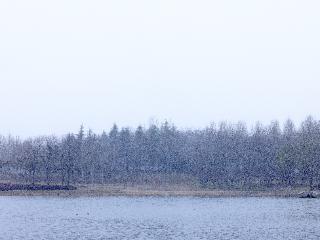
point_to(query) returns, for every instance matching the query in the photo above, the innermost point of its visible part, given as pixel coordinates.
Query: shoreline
(168, 191)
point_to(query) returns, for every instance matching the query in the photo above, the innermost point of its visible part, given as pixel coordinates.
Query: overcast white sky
(63, 63)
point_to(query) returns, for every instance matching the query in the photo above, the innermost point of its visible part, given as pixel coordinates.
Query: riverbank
(152, 191)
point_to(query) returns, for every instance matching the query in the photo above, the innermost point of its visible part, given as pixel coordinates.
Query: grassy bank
(161, 191)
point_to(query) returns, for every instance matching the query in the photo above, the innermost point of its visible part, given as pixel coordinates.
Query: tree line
(223, 155)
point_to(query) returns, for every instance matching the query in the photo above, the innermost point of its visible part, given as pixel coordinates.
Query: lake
(159, 218)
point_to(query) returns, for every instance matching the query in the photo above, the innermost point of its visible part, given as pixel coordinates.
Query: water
(159, 218)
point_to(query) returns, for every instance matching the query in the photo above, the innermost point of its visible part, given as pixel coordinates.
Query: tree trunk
(311, 183)
(48, 177)
(33, 178)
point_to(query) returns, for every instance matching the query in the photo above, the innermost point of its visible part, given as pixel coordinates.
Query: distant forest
(219, 156)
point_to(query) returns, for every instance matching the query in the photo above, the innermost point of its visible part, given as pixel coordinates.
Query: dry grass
(153, 191)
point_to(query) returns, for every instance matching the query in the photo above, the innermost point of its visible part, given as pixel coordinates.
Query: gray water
(159, 218)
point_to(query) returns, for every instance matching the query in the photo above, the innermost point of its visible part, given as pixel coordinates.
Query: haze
(64, 63)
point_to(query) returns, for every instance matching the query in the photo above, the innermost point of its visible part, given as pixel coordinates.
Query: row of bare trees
(226, 155)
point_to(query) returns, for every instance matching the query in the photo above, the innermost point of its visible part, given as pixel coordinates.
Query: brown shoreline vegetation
(109, 190)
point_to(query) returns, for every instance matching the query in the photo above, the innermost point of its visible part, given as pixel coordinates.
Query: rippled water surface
(158, 218)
